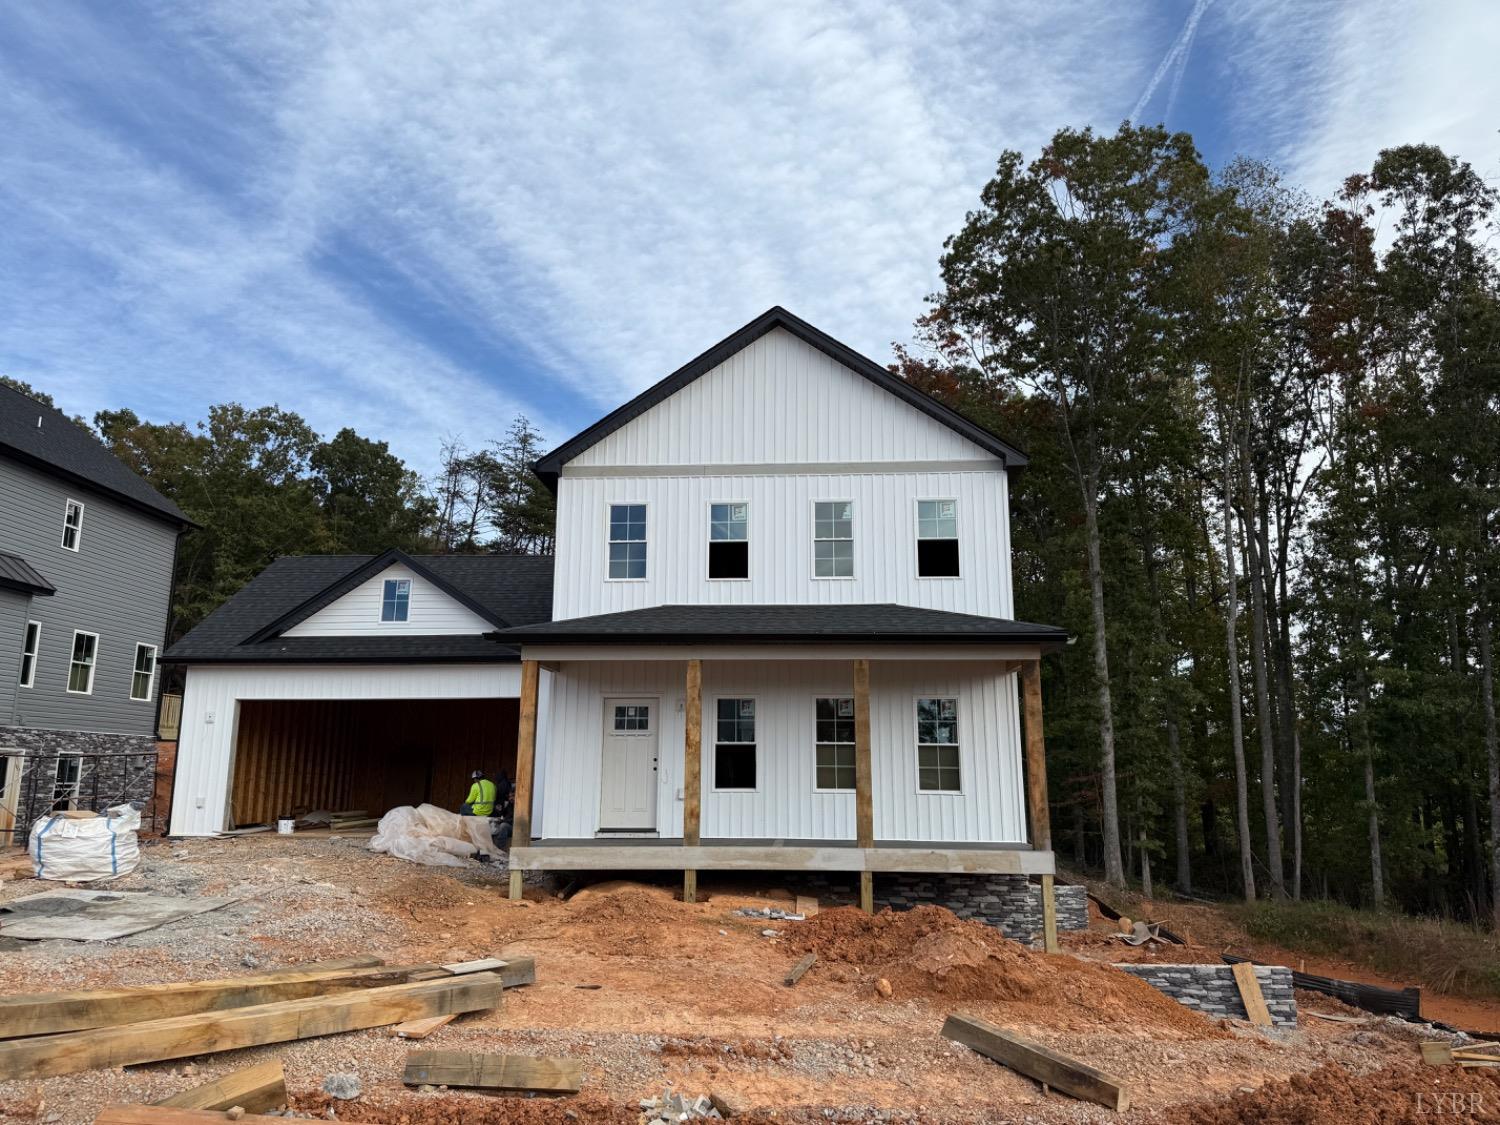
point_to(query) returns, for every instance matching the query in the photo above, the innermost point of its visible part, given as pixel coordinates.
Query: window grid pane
(937, 519)
(729, 522)
(81, 667)
(937, 746)
(28, 653)
(143, 673)
(627, 541)
(395, 600)
(736, 720)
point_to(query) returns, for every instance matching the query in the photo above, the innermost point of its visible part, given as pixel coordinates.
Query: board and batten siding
(210, 705)
(116, 584)
(431, 612)
(786, 804)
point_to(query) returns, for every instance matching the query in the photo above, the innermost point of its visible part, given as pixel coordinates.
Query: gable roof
(550, 466)
(48, 439)
(18, 574)
(508, 589)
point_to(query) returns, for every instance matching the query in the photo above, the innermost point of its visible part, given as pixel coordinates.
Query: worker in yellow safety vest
(481, 798)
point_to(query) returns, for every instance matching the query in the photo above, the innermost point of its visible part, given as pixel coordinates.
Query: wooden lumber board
(796, 971)
(807, 905)
(421, 1029)
(44, 1056)
(493, 1072)
(253, 1089)
(47, 1013)
(164, 1115)
(1038, 1062)
(1250, 994)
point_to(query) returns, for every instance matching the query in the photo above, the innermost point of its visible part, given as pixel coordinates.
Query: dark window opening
(937, 558)
(729, 560)
(734, 766)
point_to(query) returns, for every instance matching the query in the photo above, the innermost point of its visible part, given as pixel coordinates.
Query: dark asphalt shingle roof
(877, 623)
(69, 450)
(515, 589)
(18, 574)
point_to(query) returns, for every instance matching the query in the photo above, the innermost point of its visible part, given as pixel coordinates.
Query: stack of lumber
(48, 1034)
(1469, 1055)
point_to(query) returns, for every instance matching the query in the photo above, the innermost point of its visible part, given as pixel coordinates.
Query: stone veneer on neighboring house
(1211, 989)
(122, 765)
(1010, 903)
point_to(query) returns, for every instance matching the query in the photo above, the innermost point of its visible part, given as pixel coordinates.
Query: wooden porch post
(692, 773)
(520, 836)
(1036, 791)
(864, 809)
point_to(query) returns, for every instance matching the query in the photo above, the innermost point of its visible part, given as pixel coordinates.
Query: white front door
(628, 768)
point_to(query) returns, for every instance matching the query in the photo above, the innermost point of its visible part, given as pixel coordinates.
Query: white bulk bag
(81, 850)
(431, 835)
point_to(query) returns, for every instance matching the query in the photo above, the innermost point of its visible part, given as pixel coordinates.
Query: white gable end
(780, 401)
(430, 611)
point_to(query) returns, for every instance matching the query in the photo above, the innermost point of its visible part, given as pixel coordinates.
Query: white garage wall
(210, 712)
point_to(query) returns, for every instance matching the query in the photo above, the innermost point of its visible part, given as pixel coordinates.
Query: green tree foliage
(370, 500)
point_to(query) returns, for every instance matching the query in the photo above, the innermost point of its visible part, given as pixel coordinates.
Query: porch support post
(1036, 791)
(692, 772)
(520, 836)
(864, 808)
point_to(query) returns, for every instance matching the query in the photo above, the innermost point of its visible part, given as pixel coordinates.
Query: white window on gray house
(72, 525)
(143, 678)
(81, 665)
(937, 538)
(627, 541)
(29, 648)
(68, 779)
(729, 540)
(835, 745)
(937, 746)
(395, 599)
(734, 745)
(833, 539)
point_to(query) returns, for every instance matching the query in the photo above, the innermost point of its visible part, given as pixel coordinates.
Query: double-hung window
(81, 665)
(937, 538)
(833, 539)
(734, 744)
(144, 676)
(395, 599)
(937, 746)
(729, 540)
(835, 744)
(29, 648)
(72, 525)
(627, 541)
(67, 779)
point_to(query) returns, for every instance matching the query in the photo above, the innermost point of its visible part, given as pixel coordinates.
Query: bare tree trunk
(1296, 812)
(1114, 870)
(1231, 645)
(1179, 809)
(1253, 578)
(1377, 870)
(1492, 753)
(1145, 868)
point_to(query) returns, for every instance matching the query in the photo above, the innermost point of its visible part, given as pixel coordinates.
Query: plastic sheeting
(82, 850)
(434, 836)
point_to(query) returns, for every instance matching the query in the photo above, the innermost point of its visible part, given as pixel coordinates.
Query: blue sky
(420, 219)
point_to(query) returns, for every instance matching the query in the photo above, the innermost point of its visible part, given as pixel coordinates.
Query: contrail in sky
(1177, 55)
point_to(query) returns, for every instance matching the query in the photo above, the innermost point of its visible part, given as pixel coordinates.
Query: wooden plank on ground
(160, 1115)
(1250, 994)
(421, 1029)
(1437, 1054)
(493, 1072)
(799, 968)
(253, 1089)
(43, 1056)
(1038, 1062)
(807, 905)
(46, 1013)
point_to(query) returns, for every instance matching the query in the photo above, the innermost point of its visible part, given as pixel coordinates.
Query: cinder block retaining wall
(1010, 903)
(1211, 990)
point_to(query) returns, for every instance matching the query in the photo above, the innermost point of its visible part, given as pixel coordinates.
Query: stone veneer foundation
(118, 767)
(1211, 989)
(1010, 903)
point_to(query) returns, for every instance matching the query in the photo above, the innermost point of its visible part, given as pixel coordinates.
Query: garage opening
(294, 756)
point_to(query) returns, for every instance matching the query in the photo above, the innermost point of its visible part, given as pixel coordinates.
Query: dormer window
(729, 540)
(627, 542)
(395, 599)
(72, 525)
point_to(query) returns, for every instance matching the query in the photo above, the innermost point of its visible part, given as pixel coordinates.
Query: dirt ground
(649, 993)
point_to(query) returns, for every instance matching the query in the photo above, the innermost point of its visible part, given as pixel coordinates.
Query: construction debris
(1250, 994)
(84, 915)
(434, 836)
(252, 1090)
(80, 846)
(493, 1072)
(421, 1029)
(1465, 1054)
(795, 974)
(672, 1107)
(772, 913)
(345, 1087)
(1048, 1067)
(1142, 932)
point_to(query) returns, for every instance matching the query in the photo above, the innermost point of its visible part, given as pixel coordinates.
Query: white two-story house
(778, 634)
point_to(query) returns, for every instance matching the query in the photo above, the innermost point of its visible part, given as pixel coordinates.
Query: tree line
(1262, 495)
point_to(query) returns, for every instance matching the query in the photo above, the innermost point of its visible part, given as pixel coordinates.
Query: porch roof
(785, 624)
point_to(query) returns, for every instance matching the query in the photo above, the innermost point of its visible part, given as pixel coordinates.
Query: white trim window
(81, 663)
(67, 778)
(937, 538)
(143, 677)
(72, 531)
(729, 540)
(395, 599)
(29, 648)
(834, 748)
(937, 746)
(735, 765)
(833, 539)
(627, 542)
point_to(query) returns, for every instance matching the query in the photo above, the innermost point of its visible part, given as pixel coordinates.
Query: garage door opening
(295, 756)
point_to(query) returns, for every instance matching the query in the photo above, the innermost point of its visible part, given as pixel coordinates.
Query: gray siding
(116, 585)
(13, 618)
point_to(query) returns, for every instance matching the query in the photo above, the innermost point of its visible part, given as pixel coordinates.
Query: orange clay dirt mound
(930, 952)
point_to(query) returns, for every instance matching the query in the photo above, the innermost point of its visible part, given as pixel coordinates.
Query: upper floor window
(833, 539)
(72, 525)
(29, 649)
(937, 538)
(395, 599)
(729, 540)
(937, 746)
(81, 665)
(627, 541)
(835, 744)
(734, 745)
(144, 675)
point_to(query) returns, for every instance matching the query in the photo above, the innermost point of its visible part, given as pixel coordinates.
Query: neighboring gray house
(87, 550)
